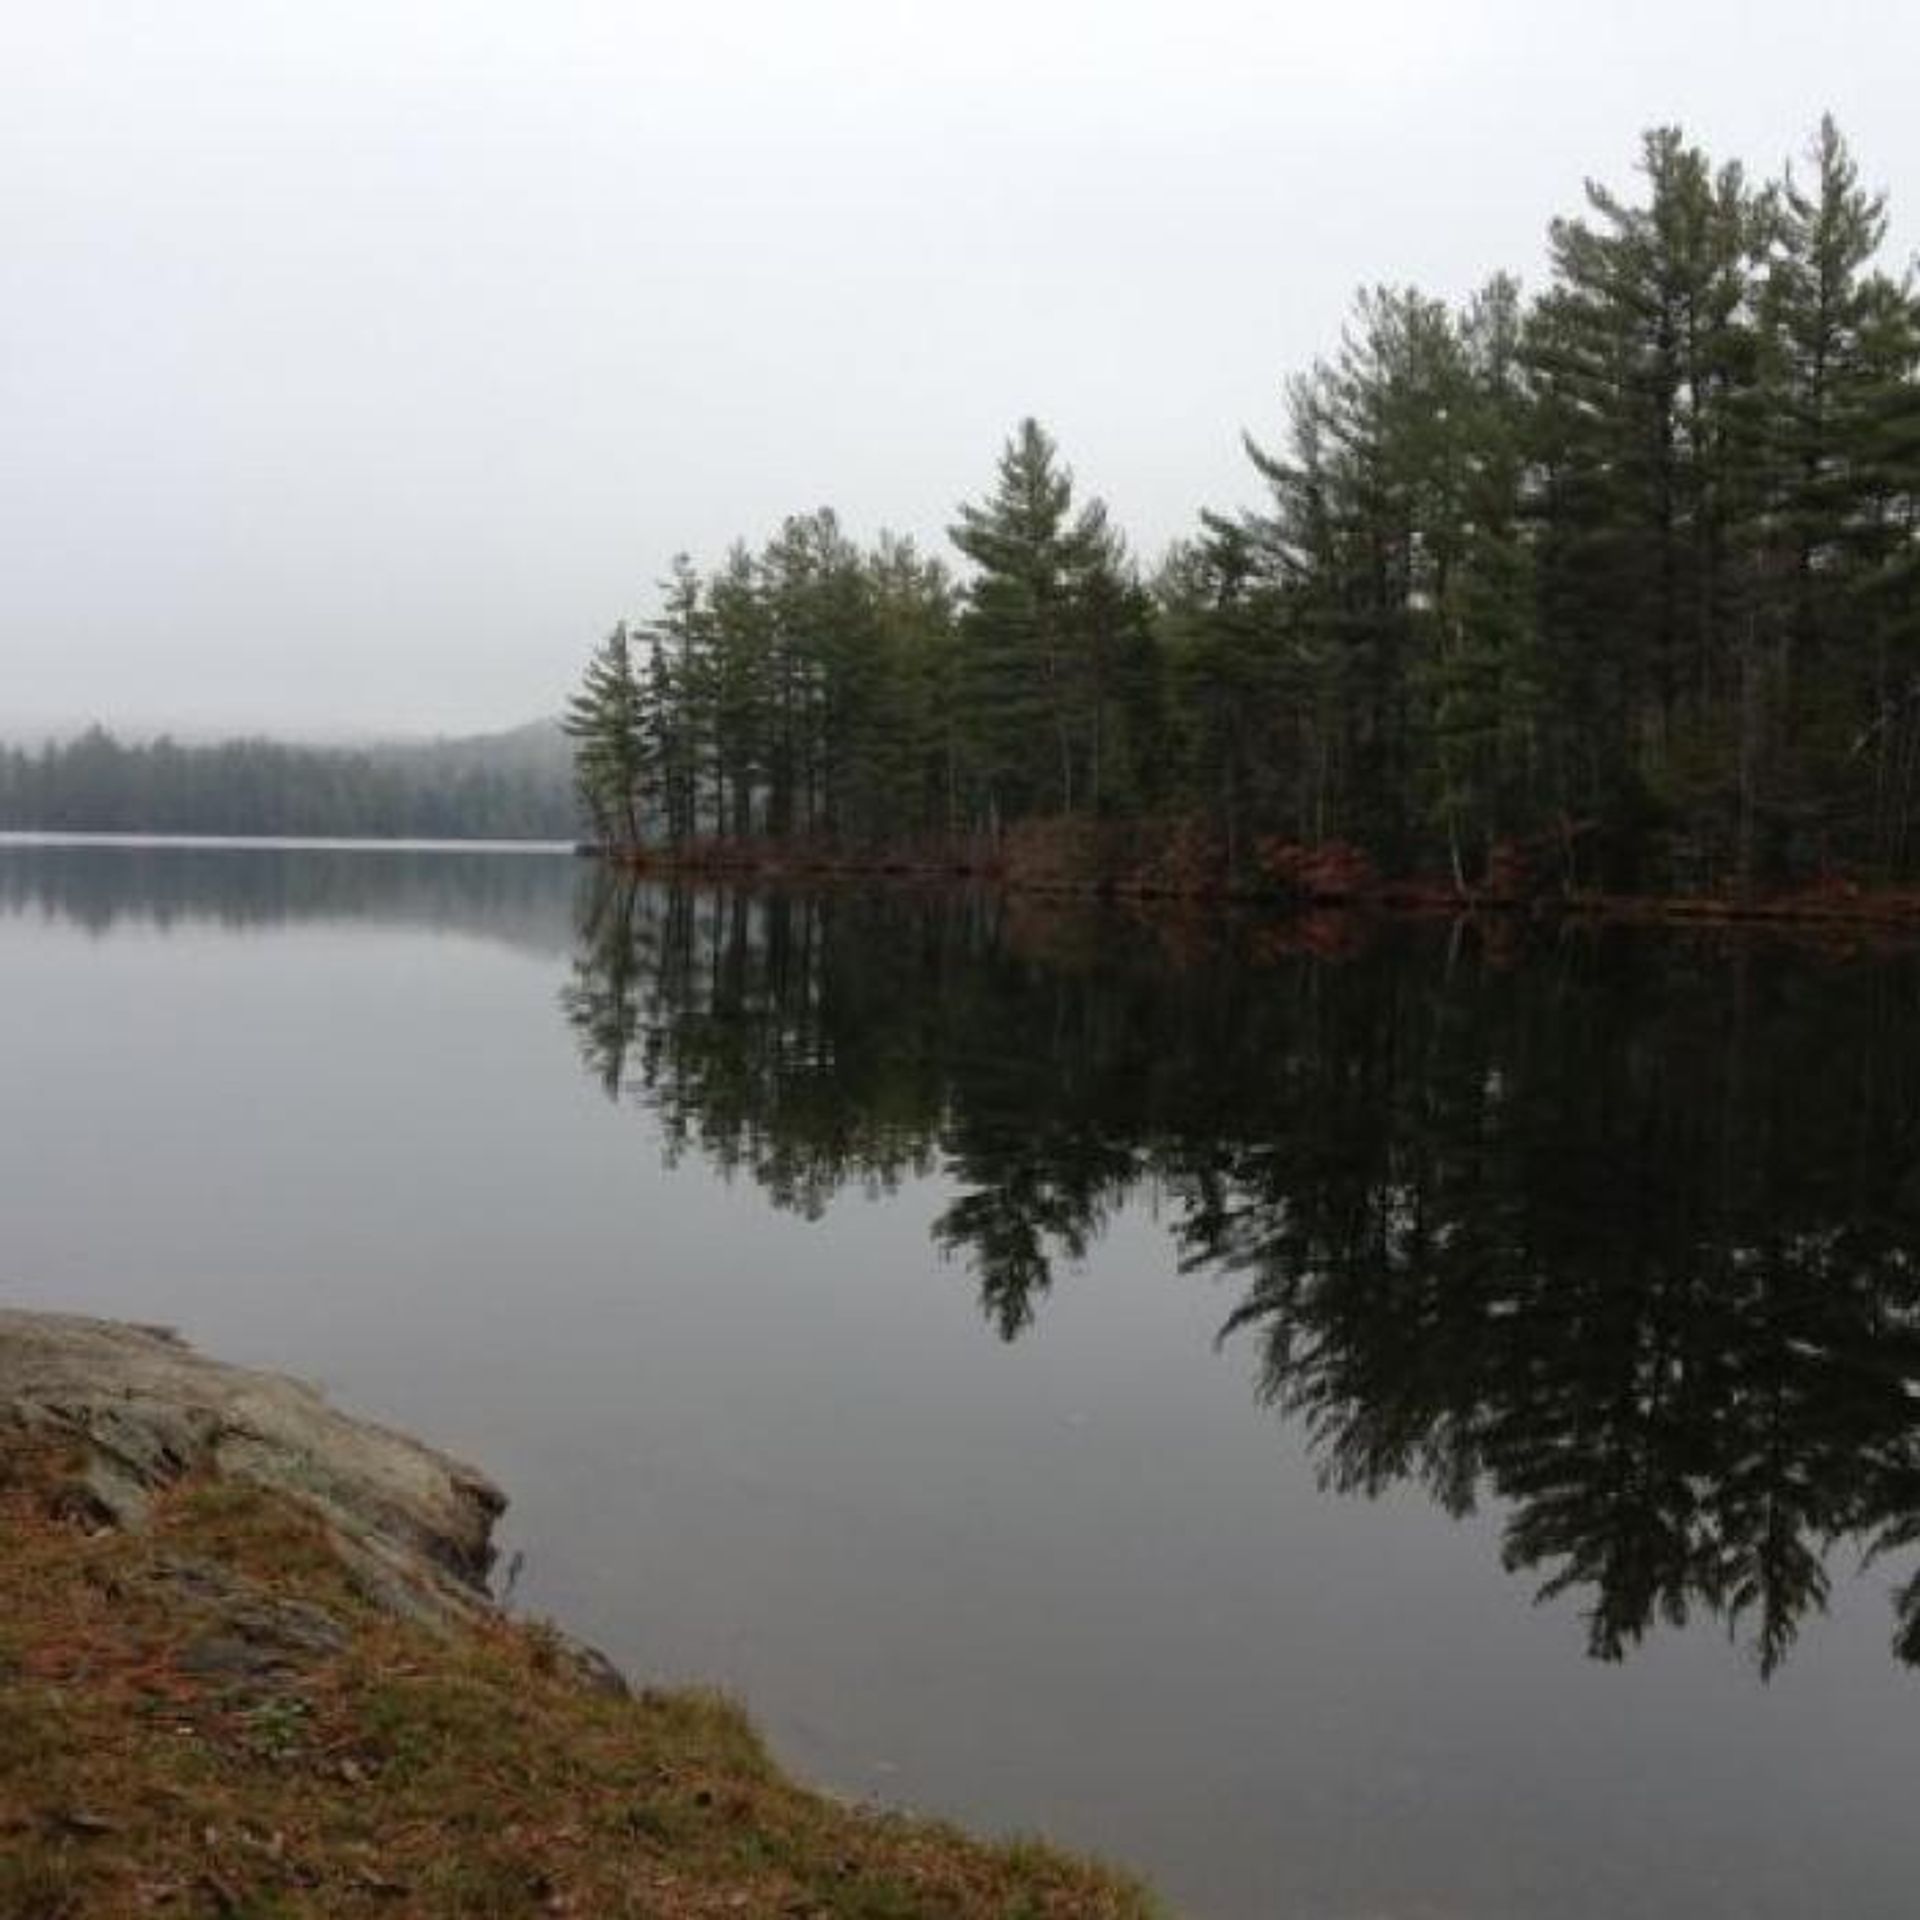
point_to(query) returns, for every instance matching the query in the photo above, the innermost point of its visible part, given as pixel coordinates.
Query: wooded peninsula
(1610, 587)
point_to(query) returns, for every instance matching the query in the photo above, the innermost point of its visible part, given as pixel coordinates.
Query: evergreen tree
(910, 758)
(742, 646)
(607, 721)
(1843, 347)
(1647, 350)
(680, 699)
(1025, 668)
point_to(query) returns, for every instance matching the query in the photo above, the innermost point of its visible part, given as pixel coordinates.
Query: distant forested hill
(505, 786)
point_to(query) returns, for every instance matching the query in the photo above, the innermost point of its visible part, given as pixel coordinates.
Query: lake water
(1133, 1383)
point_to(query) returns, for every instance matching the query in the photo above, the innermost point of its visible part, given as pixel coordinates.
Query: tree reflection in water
(1613, 1229)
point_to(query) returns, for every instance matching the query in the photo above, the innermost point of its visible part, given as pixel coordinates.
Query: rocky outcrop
(413, 1527)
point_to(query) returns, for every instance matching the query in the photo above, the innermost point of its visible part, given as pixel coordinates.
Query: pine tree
(1024, 667)
(803, 571)
(608, 721)
(1647, 349)
(1843, 347)
(1392, 548)
(680, 708)
(910, 769)
(1480, 677)
(742, 640)
(1226, 643)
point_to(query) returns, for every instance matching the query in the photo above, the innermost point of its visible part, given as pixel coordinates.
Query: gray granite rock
(414, 1527)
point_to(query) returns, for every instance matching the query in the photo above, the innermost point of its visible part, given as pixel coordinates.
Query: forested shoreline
(508, 786)
(1612, 586)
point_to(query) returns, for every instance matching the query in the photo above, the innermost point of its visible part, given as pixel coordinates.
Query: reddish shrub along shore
(1188, 860)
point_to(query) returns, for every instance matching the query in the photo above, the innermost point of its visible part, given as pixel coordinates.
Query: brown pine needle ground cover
(205, 1718)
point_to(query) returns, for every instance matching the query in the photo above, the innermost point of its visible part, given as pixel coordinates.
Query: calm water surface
(1355, 1427)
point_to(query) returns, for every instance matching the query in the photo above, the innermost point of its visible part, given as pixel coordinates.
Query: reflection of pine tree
(598, 999)
(1025, 1210)
(1619, 1240)
(1646, 1294)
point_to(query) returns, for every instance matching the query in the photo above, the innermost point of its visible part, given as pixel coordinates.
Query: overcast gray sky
(361, 362)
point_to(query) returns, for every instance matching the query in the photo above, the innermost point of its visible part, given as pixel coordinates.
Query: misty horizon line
(335, 735)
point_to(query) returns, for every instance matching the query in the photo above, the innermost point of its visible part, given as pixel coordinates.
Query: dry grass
(206, 1719)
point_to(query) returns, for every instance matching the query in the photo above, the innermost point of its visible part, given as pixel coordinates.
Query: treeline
(1620, 581)
(500, 787)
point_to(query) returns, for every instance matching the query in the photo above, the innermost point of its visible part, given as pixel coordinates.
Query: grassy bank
(206, 1717)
